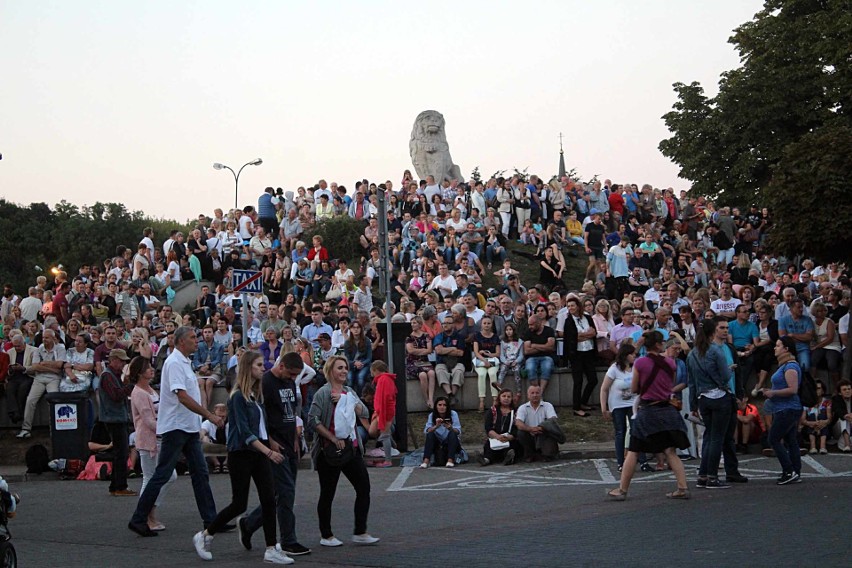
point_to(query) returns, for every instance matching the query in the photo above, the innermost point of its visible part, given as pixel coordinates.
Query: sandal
(679, 494)
(581, 413)
(616, 494)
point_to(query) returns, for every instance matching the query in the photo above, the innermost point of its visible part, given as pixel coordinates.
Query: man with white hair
(18, 382)
(47, 364)
(449, 348)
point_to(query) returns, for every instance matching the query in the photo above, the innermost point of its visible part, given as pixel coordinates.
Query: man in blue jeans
(281, 402)
(178, 426)
(539, 349)
(801, 328)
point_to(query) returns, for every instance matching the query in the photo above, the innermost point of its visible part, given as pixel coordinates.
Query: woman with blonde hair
(249, 455)
(557, 197)
(338, 448)
(604, 323)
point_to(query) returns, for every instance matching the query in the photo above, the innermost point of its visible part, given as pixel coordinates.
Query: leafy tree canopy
(69, 235)
(792, 89)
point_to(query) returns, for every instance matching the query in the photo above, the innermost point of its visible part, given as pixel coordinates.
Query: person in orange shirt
(749, 425)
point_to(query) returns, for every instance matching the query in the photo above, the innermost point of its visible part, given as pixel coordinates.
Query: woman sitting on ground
(500, 429)
(443, 430)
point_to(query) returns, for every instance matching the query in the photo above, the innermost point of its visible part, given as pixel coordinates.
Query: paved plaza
(528, 515)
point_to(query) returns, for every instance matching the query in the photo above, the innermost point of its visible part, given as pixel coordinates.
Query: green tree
(810, 190)
(795, 79)
(69, 235)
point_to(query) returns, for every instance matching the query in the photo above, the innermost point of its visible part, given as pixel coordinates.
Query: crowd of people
(678, 296)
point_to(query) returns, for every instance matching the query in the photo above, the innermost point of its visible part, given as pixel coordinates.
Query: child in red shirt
(384, 405)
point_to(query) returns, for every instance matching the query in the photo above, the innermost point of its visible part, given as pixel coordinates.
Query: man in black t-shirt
(539, 349)
(594, 239)
(281, 403)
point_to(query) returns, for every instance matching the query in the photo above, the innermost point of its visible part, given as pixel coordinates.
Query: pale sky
(134, 101)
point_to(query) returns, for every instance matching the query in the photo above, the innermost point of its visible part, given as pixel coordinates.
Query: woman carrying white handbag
(502, 444)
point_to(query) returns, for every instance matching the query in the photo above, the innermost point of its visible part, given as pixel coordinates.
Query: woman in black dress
(550, 271)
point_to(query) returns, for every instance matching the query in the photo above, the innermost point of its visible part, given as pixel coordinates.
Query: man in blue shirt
(317, 326)
(800, 328)
(449, 349)
(743, 334)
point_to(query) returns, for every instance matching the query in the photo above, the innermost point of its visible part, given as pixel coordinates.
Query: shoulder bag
(496, 444)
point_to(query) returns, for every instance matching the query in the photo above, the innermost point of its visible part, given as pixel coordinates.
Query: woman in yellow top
(574, 228)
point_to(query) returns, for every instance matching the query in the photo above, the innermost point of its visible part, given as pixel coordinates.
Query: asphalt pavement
(552, 514)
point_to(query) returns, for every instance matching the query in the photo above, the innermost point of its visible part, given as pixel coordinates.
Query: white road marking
(399, 483)
(548, 475)
(603, 471)
(818, 467)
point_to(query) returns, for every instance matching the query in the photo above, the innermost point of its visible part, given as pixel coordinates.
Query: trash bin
(69, 420)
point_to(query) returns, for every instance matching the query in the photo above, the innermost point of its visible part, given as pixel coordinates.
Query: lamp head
(256, 162)
(218, 166)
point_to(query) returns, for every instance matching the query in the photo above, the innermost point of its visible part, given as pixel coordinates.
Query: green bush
(340, 236)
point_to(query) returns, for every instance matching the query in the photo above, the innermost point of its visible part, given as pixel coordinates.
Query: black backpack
(807, 390)
(37, 459)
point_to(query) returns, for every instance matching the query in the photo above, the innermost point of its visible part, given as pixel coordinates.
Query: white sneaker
(394, 453)
(364, 539)
(450, 463)
(24, 434)
(275, 555)
(424, 465)
(333, 541)
(202, 545)
(754, 393)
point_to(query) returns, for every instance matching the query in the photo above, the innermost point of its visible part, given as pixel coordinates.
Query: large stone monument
(430, 153)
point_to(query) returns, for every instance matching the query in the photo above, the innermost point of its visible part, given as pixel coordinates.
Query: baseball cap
(594, 211)
(119, 354)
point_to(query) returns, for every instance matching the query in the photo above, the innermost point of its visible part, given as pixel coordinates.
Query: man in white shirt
(46, 368)
(432, 189)
(167, 245)
(147, 240)
(178, 425)
(31, 305)
(536, 444)
(444, 283)
(726, 304)
(471, 309)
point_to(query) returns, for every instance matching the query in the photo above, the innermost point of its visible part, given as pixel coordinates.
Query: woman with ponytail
(712, 384)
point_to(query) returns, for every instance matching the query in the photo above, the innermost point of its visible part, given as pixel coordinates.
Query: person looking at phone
(443, 430)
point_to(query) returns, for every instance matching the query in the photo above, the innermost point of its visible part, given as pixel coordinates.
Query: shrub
(340, 236)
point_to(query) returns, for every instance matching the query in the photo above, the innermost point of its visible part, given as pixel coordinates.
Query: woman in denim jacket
(249, 455)
(713, 388)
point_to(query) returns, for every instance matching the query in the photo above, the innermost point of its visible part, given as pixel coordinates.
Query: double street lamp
(218, 166)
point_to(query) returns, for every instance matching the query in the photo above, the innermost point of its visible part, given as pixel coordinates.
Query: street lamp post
(218, 166)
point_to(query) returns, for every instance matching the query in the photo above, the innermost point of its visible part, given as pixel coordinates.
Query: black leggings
(583, 363)
(243, 466)
(356, 472)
